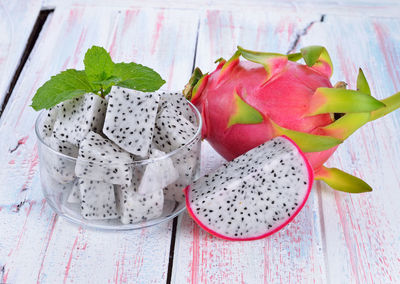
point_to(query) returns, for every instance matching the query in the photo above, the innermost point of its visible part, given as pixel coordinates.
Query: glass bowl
(58, 176)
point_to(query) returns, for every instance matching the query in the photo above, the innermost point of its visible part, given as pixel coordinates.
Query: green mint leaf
(61, 87)
(111, 81)
(137, 77)
(98, 64)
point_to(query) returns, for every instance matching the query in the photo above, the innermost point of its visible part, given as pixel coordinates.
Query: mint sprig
(100, 74)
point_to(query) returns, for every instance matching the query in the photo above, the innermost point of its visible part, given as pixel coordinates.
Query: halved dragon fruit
(254, 195)
(76, 117)
(97, 200)
(130, 119)
(101, 160)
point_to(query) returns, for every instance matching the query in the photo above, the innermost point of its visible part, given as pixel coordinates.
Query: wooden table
(337, 238)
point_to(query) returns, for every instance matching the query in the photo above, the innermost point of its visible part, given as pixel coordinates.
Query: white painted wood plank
(387, 8)
(17, 18)
(293, 255)
(37, 246)
(362, 231)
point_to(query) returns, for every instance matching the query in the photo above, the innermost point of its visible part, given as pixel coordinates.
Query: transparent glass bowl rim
(133, 163)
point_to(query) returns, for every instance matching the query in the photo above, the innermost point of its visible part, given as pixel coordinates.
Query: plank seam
(171, 250)
(37, 27)
(196, 45)
(175, 222)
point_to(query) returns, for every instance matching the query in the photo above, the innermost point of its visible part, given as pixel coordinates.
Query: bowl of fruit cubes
(117, 158)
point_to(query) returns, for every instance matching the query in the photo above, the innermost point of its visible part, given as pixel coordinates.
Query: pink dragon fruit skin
(245, 103)
(217, 101)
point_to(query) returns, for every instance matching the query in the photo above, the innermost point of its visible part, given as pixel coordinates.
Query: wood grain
(385, 8)
(36, 245)
(361, 231)
(337, 238)
(17, 18)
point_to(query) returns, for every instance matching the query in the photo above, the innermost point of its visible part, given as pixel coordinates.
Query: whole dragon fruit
(245, 103)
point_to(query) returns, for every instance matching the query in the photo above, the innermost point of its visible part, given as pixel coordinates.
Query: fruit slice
(254, 195)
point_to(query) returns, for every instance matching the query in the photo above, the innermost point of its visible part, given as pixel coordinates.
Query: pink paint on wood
(11, 162)
(64, 66)
(5, 276)
(343, 221)
(78, 50)
(267, 268)
(113, 44)
(23, 140)
(195, 254)
(74, 17)
(260, 30)
(232, 27)
(212, 19)
(27, 99)
(344, 63)
(43, 207)
(33, 162)
(389, 52)
(280, 27)
(156, 35)
(122, 277)
(28, 212)
(129, 16)
(171, 73)
(68, 266)
(116, 272)
(290, 31)
(49, 235)
(111, 49)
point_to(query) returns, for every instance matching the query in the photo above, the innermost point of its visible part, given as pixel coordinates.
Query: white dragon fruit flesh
(46, 129)
(158, 173)
(61, 168)
(130, 119)
(175, 190)
(101, 160)
(97, 200)
(78, 116)
(187, 164)
(74, 196)
(177, 103)
(172, 131)
(254, 195)
(134, 207)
